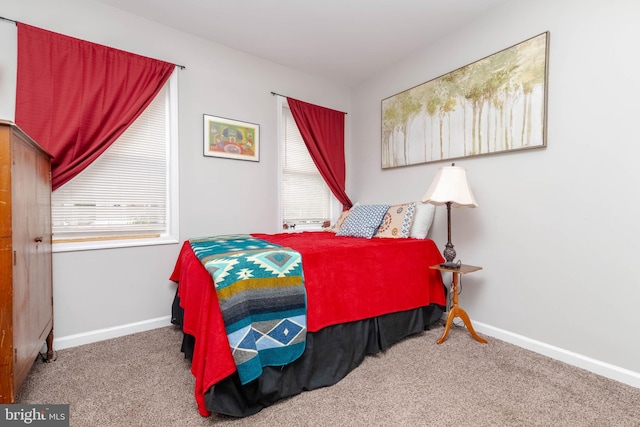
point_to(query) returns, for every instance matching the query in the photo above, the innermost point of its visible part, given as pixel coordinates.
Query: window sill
(111, 244)
(304, 227)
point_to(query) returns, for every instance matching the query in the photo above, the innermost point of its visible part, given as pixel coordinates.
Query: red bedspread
(346, 279)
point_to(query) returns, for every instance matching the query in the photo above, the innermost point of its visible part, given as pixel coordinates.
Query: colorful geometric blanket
(260, 288)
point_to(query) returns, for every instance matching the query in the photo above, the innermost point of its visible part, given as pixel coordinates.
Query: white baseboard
(592, 365)
(60, 343)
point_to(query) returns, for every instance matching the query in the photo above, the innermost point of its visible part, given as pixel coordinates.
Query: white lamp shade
(450, 185)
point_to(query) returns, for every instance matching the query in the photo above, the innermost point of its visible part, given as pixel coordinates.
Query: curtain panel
(322, 130)
(75, 98)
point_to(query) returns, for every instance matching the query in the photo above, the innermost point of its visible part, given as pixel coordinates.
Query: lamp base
(452, 265)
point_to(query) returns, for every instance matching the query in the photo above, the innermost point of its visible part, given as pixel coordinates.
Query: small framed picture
(231, 139)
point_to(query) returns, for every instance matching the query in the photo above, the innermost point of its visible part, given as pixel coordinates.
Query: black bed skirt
(330, 354)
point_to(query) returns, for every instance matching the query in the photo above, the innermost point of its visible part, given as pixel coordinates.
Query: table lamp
(450, 187)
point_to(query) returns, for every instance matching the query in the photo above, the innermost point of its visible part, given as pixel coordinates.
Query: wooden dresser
(26, 297)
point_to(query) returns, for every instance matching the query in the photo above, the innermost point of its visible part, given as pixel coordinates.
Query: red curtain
(76, 98)
(322, 130)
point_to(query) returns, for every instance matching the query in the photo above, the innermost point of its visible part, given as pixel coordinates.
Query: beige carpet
(143, 380)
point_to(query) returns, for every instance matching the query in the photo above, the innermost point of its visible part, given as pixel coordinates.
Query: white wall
(557, 229)
(104, 293)
(8, 41)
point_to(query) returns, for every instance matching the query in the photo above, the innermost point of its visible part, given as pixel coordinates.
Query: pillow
(340, 221)
(397, 222)
(363, 221)
(422, 220)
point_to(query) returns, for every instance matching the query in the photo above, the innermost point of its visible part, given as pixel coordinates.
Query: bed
(362, 295)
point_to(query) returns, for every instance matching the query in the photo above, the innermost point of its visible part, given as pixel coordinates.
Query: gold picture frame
(494, 105)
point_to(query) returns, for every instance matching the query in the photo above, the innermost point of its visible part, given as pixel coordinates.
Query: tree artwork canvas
(496, 104)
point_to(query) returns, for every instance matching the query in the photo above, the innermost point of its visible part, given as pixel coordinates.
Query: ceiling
(344, 41)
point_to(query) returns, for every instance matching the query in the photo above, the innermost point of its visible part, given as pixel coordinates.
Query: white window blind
(125, 192)
(306, 198)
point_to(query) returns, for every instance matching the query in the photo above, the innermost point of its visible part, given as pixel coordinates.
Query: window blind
(124, 192)
(306, 197)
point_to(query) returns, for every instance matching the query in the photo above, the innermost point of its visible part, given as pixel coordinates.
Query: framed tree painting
(496, 104)
(231, 139)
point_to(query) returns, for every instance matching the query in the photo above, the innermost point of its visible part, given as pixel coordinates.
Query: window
(128, 196)
(306, 200)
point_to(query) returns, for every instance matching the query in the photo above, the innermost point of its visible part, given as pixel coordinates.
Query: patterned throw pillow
(397, 222)
(363, 221)
(340, 221)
